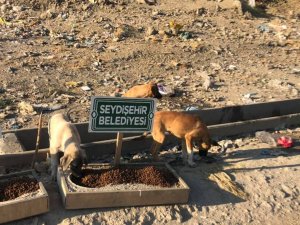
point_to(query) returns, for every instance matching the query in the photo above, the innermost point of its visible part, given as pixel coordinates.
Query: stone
(77, 45)
(296, 70)
(166, 90)
(17, 8)
(208, 83)
(294, 92)
(49, 14)
(216, 66)
(249, 95)
(151, 31)
(123, 31)
(239, 142)
(86, 88)
(266, 137)
(149, 2)
(275, 83)
(3, 115)
(3, 8)
(226, 143)
(251, 3)
(12, 69)
(26, 108)
(237, 5)
(297, 129)
(201, 11)
(232, 67)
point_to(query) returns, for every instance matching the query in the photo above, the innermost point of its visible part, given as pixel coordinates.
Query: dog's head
(76, 167)
(154, 91)
(75, 162)
(204, 145)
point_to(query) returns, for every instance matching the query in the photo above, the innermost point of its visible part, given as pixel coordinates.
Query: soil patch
(16, 187)
(149, 175)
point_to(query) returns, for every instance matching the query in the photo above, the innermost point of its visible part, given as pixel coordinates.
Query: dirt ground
(251, 184)
(49, 52)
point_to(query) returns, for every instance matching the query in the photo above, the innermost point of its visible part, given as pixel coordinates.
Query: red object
(285, 142)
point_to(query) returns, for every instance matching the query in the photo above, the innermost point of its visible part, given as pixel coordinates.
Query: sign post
(118, 115)
(118, 148)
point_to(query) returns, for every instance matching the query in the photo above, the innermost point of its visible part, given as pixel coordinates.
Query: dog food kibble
(16, 187)
(149, 175)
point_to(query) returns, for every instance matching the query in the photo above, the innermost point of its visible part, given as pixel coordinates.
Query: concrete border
(19, 209)
(118, 198)
(224, 122)
(214, 116)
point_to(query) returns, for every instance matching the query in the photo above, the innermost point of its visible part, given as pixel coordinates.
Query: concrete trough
(23, 207)
(222, 122)
(117, 198)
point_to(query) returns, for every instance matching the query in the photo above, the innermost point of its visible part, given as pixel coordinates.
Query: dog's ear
(84, 157)
(65, 161)
(85, 161)
(155, 91)
(214, 143)
(203, 152)
(205, 143)
(205, 146)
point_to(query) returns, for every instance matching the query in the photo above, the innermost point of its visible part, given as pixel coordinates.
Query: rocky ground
(57, 54)
(54, 56)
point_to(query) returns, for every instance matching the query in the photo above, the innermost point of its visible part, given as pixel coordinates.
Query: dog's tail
(69, 112)
(142, 137)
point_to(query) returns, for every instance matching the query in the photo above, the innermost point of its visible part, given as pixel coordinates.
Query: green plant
(4, 103)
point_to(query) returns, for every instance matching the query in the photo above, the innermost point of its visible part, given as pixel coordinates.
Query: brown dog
(149, 90)
(185, 126)
(63, 136)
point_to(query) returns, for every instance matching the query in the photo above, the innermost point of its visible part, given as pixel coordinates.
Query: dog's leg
(158, 139)
(184, 152)
(189, 146)
(54, 164)
(202, 151)
(154, 150)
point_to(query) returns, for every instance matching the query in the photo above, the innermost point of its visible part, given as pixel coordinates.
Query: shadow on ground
(203, 191)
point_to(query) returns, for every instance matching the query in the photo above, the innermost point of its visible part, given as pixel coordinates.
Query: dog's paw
(53, 177)
(49, 171)
(203, 153)
(185, 163)
(192, 164)
(156, 158)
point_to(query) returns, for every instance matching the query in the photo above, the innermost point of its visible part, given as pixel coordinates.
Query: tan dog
(63, 136)
(185, 126)
(149, 90)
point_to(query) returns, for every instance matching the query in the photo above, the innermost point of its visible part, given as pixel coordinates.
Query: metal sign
(109, 114)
